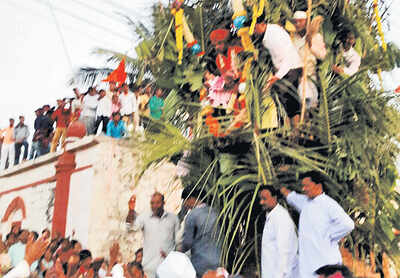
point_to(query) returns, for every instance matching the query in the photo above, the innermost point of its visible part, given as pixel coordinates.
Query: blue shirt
(116, 131)
(200, 237)
(323, 223)
(16, 253)
(156, 104)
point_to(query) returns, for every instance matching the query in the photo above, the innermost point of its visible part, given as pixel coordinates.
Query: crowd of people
(313, 251)
(115, 112)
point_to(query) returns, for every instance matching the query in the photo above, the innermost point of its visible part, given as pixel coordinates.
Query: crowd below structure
(309, 250)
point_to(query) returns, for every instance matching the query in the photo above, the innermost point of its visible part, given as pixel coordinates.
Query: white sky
(34, 66)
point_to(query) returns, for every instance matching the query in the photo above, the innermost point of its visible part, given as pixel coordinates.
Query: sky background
(37, 62)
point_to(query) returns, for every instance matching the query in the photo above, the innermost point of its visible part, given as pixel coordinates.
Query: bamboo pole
(305, 68)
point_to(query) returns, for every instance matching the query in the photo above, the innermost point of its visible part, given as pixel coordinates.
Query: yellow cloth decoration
(379, 25)
(290, 27)
(257, 12)
(270, 116)
(238, 8)
(179, 32)
(247, 44)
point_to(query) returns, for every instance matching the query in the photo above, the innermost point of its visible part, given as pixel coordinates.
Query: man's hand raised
(35, 249)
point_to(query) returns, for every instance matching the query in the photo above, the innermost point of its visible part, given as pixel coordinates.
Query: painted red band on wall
(15, 205)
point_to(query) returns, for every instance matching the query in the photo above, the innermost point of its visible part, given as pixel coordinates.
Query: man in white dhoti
(279, 239)
(323, 223)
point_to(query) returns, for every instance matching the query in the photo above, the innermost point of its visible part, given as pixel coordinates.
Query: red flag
(118, 75)
(397, 90)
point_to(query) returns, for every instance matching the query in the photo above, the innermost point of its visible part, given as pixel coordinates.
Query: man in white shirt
(160, 232)
(128, 104)
(323, 223)
(352, 60)
(104, 111)
(279, 239)
(89, 107)
(300, 22)
(288, 66)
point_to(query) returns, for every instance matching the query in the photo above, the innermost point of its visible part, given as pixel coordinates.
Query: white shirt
(22, 270)
(104, 108)
(128, 103)
(352, 60)
(323, 223)
(89, 105)
(279, 245)
(117, 271)
(76, 104)
(282, 50)
(160, 234)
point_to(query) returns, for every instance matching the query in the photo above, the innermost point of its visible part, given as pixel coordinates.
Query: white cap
(176, 265)
(300, 15)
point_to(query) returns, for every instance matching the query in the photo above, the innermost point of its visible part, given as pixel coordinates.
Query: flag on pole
(118, 75)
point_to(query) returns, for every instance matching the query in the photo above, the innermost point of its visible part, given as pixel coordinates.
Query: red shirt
(62, 117)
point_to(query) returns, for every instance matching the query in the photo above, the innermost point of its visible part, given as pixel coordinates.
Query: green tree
(351, 137)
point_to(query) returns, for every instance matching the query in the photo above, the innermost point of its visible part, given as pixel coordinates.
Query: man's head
(334, 271)
(300, 20)
(38, 112)
(191, 197)
(157, 204)
(113, 86)
(11, 122)
(218, 38)
(125, 88)
(260, 28)
(46, 233)
(23, 236)
(135, 270)
(92, 91)
(21, 120)
(116, 116)
(268, 197)
(312, 183)
(85, 258)
(102, 93)
(76, 246)
(139, 255)
(60, 102)
(350, 40)
(46, 108)
(159, 92)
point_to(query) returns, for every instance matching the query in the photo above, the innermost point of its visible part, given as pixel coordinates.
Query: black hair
(271, 189)
(159, 194)
(84, 254)
(73, 243)
(140, 250)
(45, 230)
(332, 269)
(315, 176)
(35, 235)
(189, 192)
(115, 114)
(135, 264)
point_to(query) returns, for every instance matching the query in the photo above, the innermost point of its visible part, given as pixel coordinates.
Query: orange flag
(118, 75)
(397, 90)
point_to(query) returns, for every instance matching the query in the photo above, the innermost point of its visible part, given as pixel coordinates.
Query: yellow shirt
(8, 135)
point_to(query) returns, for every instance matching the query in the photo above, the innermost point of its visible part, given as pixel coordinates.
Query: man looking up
(200, 233)
(8, 147)
(279, 240)
(21, 134)
(160, 231)
(288, 65)
(323, 223)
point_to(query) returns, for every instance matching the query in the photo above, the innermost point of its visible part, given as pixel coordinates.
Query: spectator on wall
(21, 134)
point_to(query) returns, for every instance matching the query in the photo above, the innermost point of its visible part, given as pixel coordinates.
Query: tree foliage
(351, 137)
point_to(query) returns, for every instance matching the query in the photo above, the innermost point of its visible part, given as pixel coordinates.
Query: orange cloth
(8, 135)
(118, 75)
